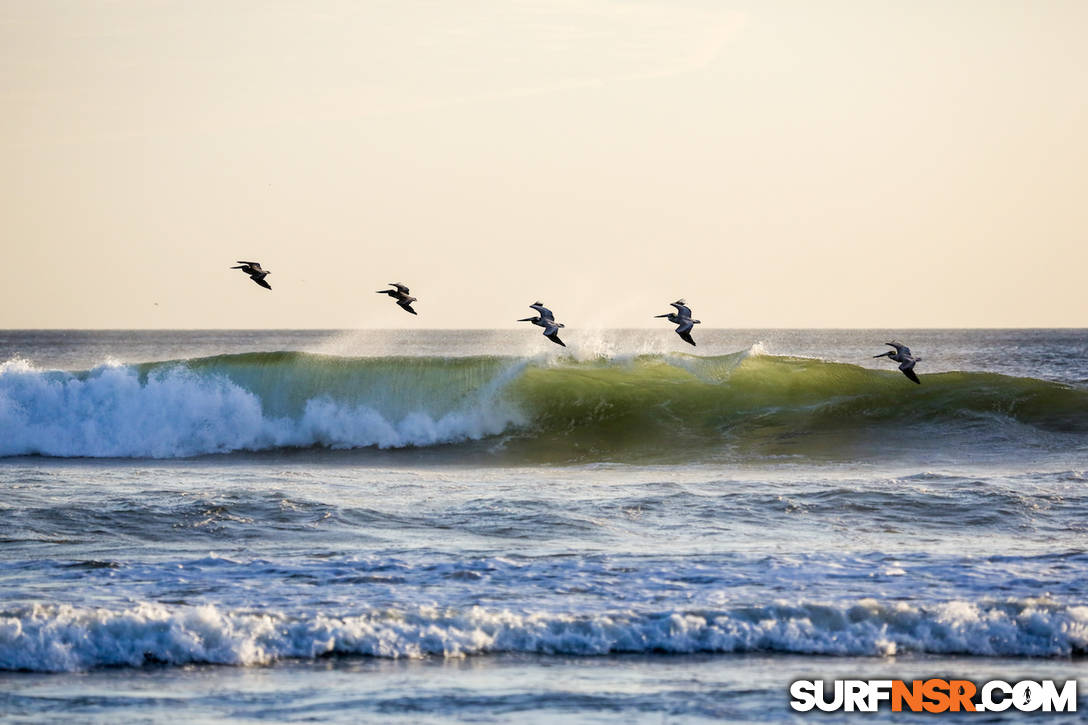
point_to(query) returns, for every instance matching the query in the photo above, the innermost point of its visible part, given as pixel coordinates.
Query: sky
(777, 164)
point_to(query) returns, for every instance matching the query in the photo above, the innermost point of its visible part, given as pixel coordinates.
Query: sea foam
(114, 411)
(66, 638)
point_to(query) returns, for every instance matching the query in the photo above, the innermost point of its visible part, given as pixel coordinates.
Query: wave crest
(65, 638)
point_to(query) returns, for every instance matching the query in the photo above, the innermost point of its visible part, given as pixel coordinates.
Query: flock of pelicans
(544, 318)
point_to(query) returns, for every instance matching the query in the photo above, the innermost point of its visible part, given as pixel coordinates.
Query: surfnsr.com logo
(933, 695)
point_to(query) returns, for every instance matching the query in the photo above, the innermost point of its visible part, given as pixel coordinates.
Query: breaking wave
(55, 638)
(643, 407)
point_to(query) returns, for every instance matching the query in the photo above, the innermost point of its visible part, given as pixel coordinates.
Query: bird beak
(665, 315)
(525, 319)
(881, 354)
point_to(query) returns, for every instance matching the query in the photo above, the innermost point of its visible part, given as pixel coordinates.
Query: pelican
(547, 321)
(400, 294)
(906, 361)
(682, 319)
(253, 269)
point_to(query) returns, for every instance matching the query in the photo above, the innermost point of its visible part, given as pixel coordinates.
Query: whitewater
(434, 526)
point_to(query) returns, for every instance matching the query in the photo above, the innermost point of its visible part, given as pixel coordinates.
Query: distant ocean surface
(426, 526)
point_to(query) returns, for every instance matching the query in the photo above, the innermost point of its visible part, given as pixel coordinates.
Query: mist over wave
(542, 409)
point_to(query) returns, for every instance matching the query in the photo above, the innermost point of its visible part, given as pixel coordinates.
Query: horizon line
(491, 329)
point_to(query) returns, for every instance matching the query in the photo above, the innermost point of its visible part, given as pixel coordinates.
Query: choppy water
(352, 526)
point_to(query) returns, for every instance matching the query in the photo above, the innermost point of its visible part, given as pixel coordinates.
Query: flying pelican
(547, 321)
(253, 269)
(400, 294)
(902, 356)
(682, 319)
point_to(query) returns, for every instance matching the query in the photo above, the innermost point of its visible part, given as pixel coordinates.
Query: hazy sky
(789, 164)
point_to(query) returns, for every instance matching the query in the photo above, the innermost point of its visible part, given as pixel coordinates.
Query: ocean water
(438, 526)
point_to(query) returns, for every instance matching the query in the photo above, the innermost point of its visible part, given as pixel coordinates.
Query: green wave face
(395, 386)
(672, 408)
(770, 406)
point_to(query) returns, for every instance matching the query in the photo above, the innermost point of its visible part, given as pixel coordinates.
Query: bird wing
(551, 330)
(681, 308)
(900, 348)
(544, 311)
(909, 372)
(686, 337)
(400, 287)
(407, 305)
(685, 327)
(255, 265)
(554, 337)
(261, 282)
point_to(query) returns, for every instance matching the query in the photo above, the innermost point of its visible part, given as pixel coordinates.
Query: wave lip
(64, 638)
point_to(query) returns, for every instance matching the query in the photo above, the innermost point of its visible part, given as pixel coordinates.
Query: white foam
(174, 412)
(65, 638)
(17, 365)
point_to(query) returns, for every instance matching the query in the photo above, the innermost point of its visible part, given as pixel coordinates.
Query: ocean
(434, 526)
